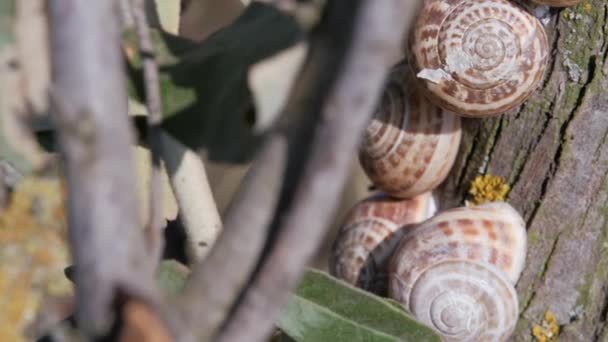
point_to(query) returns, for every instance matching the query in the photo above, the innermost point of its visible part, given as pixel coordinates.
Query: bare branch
(197, 206)
(90, 112)
(216, 282)
(378, 32)
(126, 13)
(212, 291)
(186, 171)
(155, 225)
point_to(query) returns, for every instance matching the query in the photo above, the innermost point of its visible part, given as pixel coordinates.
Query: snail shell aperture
(478, 58)
(456, 271)
(369, 235)
(410, 144)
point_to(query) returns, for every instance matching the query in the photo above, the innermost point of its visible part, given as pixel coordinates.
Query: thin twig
(155, 225)
(89, 105)
(379, 29)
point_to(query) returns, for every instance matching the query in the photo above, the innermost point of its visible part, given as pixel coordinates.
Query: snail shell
(369, 235)
(456, 271)
(410, 144)
(557, 3)
(478, 58)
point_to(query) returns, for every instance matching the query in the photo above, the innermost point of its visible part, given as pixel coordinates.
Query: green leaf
(323, 308)
(205, 96)
(172, 276)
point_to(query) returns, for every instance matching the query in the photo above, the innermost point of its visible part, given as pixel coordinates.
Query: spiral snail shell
(557, 3)
(369, 235)
(456, 271)
(478, 58)
(410, 144)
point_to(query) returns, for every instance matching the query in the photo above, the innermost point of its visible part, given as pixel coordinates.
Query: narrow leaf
(323, 308)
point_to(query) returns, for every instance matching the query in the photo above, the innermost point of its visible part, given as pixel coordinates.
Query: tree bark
(551, 151)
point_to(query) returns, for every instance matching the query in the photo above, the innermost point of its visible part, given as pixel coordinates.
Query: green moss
(533, 238)
(532, 108)
(490, 130)
(585, 25)
(584, 290)
(523, 325)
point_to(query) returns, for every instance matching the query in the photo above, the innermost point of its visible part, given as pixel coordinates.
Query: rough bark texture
(552, 152)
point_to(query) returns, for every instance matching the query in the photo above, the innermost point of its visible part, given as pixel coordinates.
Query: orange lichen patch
(548, 330)
(33, 253)
(488, 188)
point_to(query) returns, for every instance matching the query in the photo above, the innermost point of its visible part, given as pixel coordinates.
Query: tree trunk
(551, 151)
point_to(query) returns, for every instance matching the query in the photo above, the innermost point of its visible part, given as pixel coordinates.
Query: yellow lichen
(33, 253)
(548, 330)
(488, 188)
(587, 6)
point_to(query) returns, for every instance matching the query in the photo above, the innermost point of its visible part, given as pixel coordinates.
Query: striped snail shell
(369, 235)
(557, 3)
(456, 271)
(410, 144)
(478, 58)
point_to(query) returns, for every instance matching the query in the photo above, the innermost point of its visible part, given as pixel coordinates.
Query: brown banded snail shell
(369, 235)
(478, 58)
(456, 271)
(410, 144)
(557, 3)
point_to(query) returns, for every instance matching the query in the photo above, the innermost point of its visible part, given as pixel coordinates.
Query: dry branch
(216, 282)
(89, 108)
(155, 224)
(378, 30)
(320, 118)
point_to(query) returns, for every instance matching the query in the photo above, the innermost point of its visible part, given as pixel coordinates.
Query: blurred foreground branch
(89, 107)
(330, 104)
(361, 65)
